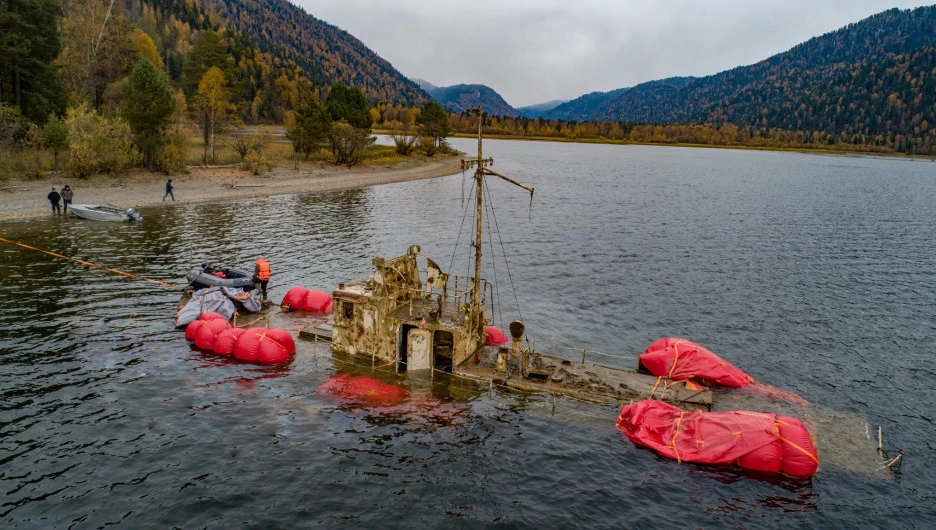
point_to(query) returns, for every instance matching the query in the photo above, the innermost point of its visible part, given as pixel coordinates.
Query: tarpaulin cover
(264, 345)
(218, 300)
(300, 298)
(361, 390)
(683, 360)
(755, 441)
(226, 341)
(494, 336)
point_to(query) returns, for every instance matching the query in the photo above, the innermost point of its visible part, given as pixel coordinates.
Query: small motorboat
(207, 275)
(104, 212)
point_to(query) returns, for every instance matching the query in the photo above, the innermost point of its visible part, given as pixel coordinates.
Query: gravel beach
(27, 198)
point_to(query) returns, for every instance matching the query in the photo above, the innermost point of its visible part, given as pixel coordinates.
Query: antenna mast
(481, 165)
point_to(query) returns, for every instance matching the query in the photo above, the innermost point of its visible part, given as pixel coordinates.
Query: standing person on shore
(54, 197)
(169, 190)
(67, 196)
(262, 275)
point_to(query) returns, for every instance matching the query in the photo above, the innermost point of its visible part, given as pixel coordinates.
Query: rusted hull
(590, 382)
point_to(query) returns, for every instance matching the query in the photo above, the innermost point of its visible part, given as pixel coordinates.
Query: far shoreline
(779, 149)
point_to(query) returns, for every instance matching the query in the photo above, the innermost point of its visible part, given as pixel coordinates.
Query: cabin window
(347, 309)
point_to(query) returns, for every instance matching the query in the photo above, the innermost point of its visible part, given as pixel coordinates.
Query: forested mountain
(326, 54)
(869, 78)
(584, 107)
(535, 111)
(457, 98)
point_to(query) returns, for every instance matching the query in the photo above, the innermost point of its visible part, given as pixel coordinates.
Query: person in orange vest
(262, 275)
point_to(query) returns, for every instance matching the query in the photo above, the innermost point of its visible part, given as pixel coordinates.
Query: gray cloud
(536, 51)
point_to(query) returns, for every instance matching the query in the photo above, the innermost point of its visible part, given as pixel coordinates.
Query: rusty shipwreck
(413, 317)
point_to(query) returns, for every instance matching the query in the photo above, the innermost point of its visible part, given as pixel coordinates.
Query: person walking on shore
(54, 197)
(169, 190)
(67, 196)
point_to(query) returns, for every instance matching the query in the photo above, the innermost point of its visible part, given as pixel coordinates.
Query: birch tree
(213, 108)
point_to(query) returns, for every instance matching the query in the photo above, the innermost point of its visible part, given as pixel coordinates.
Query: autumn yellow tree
(145, 47)
(212, 108)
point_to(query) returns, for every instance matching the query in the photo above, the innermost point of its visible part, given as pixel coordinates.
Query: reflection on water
(811, 273)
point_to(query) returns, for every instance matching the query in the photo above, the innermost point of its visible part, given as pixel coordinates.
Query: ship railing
(586, 352)
(457, 290)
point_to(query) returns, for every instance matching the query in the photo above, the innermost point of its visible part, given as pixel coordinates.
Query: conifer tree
(148, 104)
(29, 42)
(348, 104)
(209, 51)
(310, 127)
(433, 122)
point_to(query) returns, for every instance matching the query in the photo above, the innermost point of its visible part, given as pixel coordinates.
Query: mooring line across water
(90, 264)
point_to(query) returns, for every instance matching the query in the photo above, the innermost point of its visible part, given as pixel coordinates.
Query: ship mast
(480, 164)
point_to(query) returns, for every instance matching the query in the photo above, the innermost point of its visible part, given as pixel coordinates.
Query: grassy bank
(277, 152)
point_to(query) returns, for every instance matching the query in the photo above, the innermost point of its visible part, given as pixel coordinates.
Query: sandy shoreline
(27, 198)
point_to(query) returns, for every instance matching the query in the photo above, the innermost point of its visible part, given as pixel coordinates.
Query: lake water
(811, 273)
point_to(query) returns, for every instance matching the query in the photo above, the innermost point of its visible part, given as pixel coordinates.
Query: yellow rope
(83, 262)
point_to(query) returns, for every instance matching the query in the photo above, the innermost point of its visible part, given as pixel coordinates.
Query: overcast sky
(534, 51)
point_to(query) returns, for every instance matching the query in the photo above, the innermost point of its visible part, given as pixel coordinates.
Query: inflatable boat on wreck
(208, 275)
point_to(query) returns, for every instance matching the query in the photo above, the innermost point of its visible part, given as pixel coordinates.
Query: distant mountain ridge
(534, 111)
(458, 98)
(768, 92)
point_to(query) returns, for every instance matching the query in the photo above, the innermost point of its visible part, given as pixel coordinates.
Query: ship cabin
(415, 316)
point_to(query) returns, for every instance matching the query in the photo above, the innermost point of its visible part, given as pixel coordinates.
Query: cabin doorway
(402, 347)
(442, 345)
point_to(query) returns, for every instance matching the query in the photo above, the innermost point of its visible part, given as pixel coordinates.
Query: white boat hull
(98, 212)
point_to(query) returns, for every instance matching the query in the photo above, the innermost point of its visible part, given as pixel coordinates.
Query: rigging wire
(496, 294)
(461, 227)
(506, 264)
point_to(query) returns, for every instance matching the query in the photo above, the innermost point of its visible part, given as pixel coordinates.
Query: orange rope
(675, 359)
(675, 434)
(89, 264)
(800, 449)
(251, 322)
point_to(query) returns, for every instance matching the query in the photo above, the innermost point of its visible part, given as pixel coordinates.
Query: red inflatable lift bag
(208, 332)
(684, 360)
(362, 391)
(754, 441)
(494, 336)
(226, 341)
(317, 301)
(295, 299)
(192, 329)
(264, 345)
